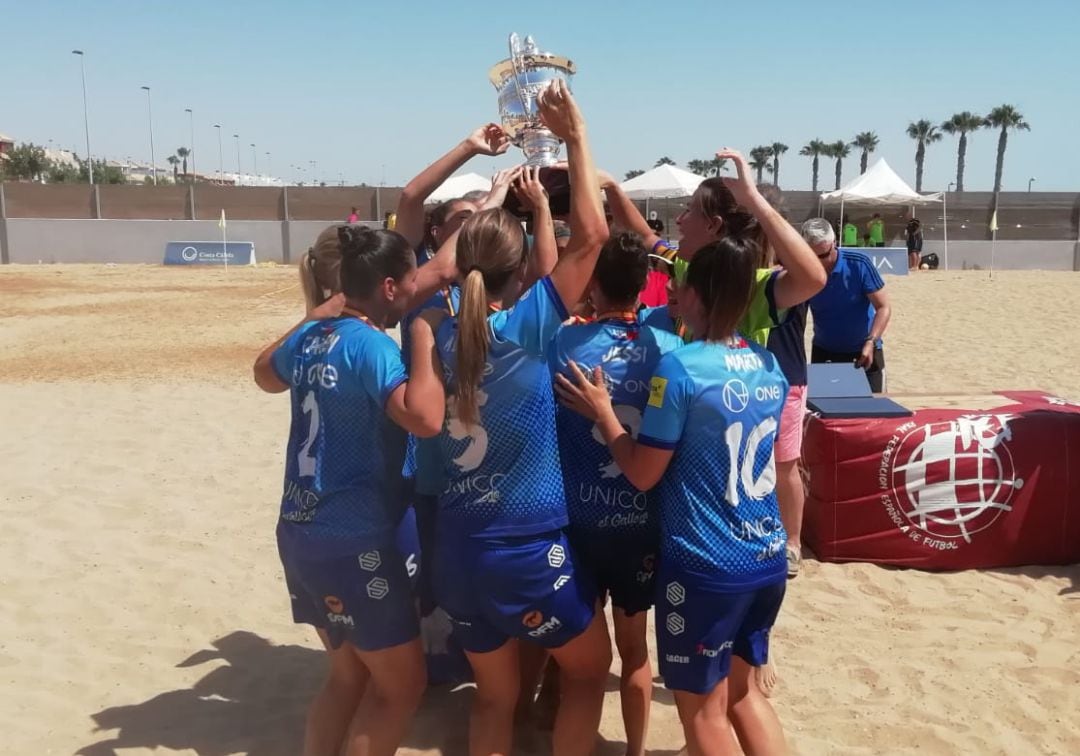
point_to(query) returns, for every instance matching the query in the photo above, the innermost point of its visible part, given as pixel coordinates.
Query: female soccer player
(715, 212)
(614, 528)
(352, 404)
(707, 438)
(503, 567)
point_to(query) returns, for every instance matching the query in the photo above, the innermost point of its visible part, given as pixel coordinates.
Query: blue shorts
(363, 598)
(622, 566)
(698, 629)
(526, 587)
(407, 540)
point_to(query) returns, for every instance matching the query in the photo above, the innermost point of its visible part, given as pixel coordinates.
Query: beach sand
(142, 606)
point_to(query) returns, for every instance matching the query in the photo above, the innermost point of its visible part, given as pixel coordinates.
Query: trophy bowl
(518, 80)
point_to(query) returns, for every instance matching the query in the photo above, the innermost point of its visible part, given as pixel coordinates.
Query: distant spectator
(876, 229)
(850, 233)
(657, 226)
(914, 243)
(852, 312)
(353, 216)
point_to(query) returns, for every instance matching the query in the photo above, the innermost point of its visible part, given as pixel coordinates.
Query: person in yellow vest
(876, 229)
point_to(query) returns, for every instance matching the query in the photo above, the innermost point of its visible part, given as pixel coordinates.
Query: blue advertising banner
(209, 253)
(891, 260)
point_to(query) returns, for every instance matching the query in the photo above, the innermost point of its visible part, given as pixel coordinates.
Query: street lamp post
(191, 147)
(237, 138)
(85, 112)
(1030, 181)
(269, 171)
(150, 115)
(221, 156)
(254, 162)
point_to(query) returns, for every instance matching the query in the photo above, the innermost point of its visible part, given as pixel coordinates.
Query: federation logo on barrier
(370, 561)
(736, 396)
(377, 588)
(675, 593)
(556, 556)
(946, 481)
(675, 624)
(189, 254)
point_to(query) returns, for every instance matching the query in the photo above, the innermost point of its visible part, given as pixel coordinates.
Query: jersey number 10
(741, 461)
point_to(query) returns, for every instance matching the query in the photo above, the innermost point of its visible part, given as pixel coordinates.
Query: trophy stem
(541, 147)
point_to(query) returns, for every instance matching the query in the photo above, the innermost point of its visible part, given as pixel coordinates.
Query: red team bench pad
(947, 489)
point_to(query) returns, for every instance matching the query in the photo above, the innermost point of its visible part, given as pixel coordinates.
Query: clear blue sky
(356, 85)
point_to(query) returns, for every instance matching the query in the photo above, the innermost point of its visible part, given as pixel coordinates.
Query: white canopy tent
(881, 186)
(662, 182)
(457, 186)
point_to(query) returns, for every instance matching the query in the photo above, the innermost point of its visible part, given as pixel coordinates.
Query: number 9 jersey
(344, 458)
(718, 407)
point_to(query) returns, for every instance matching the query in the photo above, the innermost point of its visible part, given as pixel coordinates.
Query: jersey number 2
(741, 461)
(305, 463)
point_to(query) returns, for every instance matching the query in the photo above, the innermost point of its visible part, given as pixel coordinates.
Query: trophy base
(557, 183)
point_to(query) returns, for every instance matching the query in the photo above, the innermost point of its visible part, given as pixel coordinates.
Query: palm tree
(182, 153)
(1004, 117)
(760, 160)
(867, 141)
(962, 124)
(174, 161)
(924, 133)
(816, 148)
(664, 161)
(706, 167)
(633, 174)
(778, 149)
(839, 150)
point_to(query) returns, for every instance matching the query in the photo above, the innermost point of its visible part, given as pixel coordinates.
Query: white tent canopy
(662, 182)
(879, 186)
(456, 186)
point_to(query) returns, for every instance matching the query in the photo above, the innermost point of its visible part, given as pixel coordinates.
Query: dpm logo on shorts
(337, 615)
(535, 620)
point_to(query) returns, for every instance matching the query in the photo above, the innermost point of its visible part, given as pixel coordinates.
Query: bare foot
(766, 678)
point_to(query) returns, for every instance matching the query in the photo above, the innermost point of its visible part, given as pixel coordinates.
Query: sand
(142, 608)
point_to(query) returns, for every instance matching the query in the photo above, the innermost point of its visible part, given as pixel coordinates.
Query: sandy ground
(142, 608)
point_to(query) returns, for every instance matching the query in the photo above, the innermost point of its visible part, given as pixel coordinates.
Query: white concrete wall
(1008, 255)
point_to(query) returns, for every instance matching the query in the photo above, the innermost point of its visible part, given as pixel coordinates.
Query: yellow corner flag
(221, 223)
(993, 222)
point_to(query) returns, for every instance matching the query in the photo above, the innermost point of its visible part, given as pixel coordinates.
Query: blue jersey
(503, 475)
(718, 407)
(599, 498)
(657, 317)
(423, 459)
(343, 480)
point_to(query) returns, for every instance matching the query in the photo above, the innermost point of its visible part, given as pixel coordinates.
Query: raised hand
(559, 112)
(530, 192)
(742, 187)
(500, 185)
(488, 140)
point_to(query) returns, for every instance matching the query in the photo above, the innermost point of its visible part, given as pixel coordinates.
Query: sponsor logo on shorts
(675, 624)
(370, 561)
(675, 593)
(676, 659)
(551, 625)
(556, 556)
(561, 581)
(377, 588)
(712, 653)
(648, 565)
(336, 615)
(532, 619)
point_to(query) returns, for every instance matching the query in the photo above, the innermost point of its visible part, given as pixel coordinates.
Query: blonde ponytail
(472, 347)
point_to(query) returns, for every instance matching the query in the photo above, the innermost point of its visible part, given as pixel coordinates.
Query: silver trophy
(518, 80)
